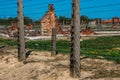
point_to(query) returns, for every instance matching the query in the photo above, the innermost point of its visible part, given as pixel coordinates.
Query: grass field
(102, 47)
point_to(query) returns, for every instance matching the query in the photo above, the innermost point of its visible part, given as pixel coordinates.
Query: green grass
(105, 47)
(39, 45)
(102, 47)
(8, 42)
(63, 46)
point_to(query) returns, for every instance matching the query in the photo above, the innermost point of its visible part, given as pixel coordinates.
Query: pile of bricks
(87, 31)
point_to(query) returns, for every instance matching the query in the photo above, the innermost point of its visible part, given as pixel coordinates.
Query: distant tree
(84, 19)
(8, 21)
(2, 21)
(64, 20)
(36, 22)
(11, 19)
(27, 20)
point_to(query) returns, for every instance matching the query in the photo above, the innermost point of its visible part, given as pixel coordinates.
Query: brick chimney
(49, 21)
(51, 8)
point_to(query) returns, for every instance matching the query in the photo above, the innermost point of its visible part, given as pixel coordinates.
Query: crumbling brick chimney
(49, 21)
(51, 8)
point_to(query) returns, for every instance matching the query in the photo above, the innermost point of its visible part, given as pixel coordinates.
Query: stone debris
(87, 31)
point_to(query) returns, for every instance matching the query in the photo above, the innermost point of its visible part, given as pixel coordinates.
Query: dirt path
(41, 66)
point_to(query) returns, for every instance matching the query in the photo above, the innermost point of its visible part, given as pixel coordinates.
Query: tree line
(8, 21)
(27, 20)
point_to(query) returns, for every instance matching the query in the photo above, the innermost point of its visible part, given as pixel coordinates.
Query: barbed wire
(107, 5)
(40, 8)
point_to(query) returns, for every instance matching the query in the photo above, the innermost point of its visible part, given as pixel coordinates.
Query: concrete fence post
(21, 40)
(53, 41)
(75, 40)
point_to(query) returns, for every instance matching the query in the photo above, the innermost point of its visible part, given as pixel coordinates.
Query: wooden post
(21, 41)
(75, 40)
(53, 41)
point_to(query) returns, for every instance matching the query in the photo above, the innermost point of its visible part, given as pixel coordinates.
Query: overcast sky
(36, 9)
